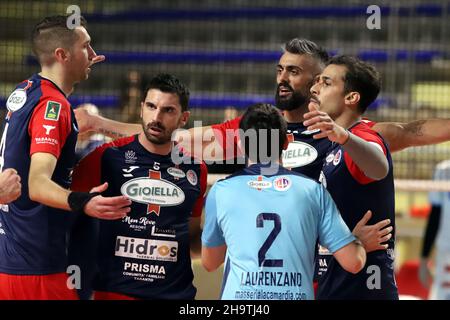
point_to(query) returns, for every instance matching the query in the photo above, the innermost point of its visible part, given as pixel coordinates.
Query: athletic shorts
(36, 287)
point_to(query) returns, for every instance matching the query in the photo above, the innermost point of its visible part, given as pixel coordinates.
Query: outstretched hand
(107, 208)
(373, 236)
(316, 119)
(85, 120)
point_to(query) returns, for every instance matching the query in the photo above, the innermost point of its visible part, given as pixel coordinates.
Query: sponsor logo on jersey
(127, 172)
(298, 154)
(144, 268)
(192, 177)
(146, 249)
(48, 129)
(16, 100)
(52, 111)
(46, 140)
(324, 251)
(2, 231)
(282, 184)
(259, 183)
(151, 191)
(175, 172)
(309, 132)
(337, 158)
(329, 158)
(130, 156)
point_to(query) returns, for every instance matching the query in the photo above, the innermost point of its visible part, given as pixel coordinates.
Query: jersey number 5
(263, 262)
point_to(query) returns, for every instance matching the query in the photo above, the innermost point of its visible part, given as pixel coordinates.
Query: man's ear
(184, 118)
(61, 54)
(352, 99)
(142, 108)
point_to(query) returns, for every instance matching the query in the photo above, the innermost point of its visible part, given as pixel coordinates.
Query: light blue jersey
(442, 199)
(270, 225)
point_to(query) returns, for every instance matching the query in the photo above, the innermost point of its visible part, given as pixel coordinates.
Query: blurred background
(226, 52)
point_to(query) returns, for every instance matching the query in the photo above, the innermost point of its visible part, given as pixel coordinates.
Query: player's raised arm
(400, 135)
(111, 128)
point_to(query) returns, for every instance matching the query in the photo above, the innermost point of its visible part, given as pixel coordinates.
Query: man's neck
(161, 149)
(347, 119)
(56, 75)
(296, 115)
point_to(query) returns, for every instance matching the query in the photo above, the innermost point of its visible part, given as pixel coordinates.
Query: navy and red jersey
(32, 235)
(354, 194)
(304, 153)
(146, 254)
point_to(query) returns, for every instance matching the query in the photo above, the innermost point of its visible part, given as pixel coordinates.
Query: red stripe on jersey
(198, 205)
(226, 134)
(363, 131)
(155, 175)
(49, 134)
(87, 174)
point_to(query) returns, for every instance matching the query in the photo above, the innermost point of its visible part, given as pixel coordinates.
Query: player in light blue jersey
(265, 221)
(438, 224)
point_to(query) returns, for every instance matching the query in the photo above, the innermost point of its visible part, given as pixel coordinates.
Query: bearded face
(286, 98)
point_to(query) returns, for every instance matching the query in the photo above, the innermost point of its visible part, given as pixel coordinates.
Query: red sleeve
(198, 206)
(226, 134)
(87, 174)
(368, 135)
(50, 125)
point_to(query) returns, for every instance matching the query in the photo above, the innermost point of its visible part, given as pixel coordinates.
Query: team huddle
(129, 213)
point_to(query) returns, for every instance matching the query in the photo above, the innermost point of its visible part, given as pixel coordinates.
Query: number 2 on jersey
(263, 262)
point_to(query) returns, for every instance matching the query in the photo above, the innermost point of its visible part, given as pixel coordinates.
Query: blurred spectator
(131, 98)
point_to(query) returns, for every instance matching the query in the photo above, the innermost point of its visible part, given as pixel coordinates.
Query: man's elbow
(357, 265)
(381, 172)
(34, 191)
(209, 265)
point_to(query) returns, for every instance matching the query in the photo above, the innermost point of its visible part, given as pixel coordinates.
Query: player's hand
(85, 120)
(10, 186)
(425, 276)
(107, 208)
(316, 119)
(373, 236)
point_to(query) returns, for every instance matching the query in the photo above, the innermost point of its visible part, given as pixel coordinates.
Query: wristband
(77, 200)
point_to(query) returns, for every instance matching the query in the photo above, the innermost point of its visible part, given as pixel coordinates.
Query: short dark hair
(263, 116)
(170, 84)
(51, 33)
(305, 46)
(360, 77)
